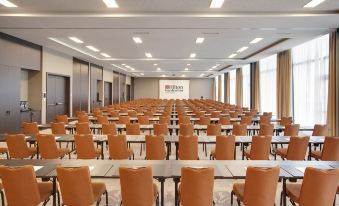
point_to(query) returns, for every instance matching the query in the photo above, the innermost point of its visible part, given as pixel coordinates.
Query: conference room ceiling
(169, 29)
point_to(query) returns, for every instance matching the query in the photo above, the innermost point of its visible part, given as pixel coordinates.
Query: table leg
(243, 150)
(168, 150)
(162, 182)
(284, 192)
(102, 150)
(176, 200)
(176, 150)
(54, 191)
(309, 151)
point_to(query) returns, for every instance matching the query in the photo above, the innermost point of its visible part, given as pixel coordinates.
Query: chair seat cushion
(293, 191)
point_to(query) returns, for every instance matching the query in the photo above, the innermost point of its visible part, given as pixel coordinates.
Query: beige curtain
(227, 88)
(332, 90)
(219, 88)
(284, 82)
(255, 96)
(214, 90)
(238, 87)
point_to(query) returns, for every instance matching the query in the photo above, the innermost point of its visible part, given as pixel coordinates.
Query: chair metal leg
(106, 193)
(58, 195)
(232, 198)
(2, 198)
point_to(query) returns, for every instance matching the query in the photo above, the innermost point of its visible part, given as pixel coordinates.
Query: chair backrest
(132, 114)
(82, 128)
(109, 129)
(197, 186)
(246, 120)
(48, 148)
(204, 120)
(20, 185)
(225, 147)
(84, 146)
(17, 146)
(143, 120)
(117, 147)
(186, 129)
(269, 114)
(260, 148)
(137, 186)
(291, 130)
(160, 129)
(102, 119)
(286, 120)
(164, 120)
(320, 130)
(239, 130)
(75, 185)
(265, 120)
(148, 113)
(319, 187)
(266, 129)
(188, 147)
(184, 120)
(225, 120)
(83, 119)
(30, 128)
(215, 114)
(62, 118)
(234, 114)
(133, 129)
(58, 128)
(330, 150)
(114, 114)
(123, 110)
(155, 147)
(214, 129)
(260, 186)
(124, 120)
(297, 148)
(79, 113)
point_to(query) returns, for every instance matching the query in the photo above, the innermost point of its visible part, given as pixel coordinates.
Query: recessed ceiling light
(123, 64)
(193, 55)
(159, 69)
(105, 55)
(210, 69)
(183, 75)
(7, 3)
(200, 40)
(111, 3)
(188, 64)
(215, 4)
(76, 40)
(142, 74)
(127, 66)
(232, 55)
(256, 40)
(186, 69)
(148, 55)
(137, 40)
(313, 3)
(163, 75)
(132, 69)
(155, 64)
(93, 48)
(242, 49)
(214, 67)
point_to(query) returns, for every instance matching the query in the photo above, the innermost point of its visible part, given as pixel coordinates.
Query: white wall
(149, 88)
(24, 85)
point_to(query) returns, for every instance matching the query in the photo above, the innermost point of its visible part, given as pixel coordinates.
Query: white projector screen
(174, 89)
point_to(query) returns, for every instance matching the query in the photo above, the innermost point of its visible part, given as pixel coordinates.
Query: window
(310, 81)
(246, 86)
(216, 88)
(232, 86)
(222, 97)
(268, 84)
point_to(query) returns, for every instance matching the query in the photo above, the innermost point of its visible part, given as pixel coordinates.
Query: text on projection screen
(174, 89)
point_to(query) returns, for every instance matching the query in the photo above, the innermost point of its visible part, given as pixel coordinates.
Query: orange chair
(133, 129)
(204, 120)
(259, 188)
(214, 129)
(83, 119)
(164, 120)
(132, 114)
(215, 114)
(196, 186)
(268, 114)
(291, 130)
(17, 147)
(186, 129)
(260, 148)
(48, 147)
(184, 120)
(102, 119)
(80, 113)
(320, 130)
(246, 120)
(21, 187)
(188, 148)
(318, 188)
(62, 118)
(265, 120)
(155, 147)
(296, 150)
(85, 148)
(117, 147)
(286, 120)
(109, 129)
(82, 128)
(160, 129)
(143, 120)
(58, 128)
(330, 151)
(266, 129)
(137, 187)
(30, 128)
(225, 121)
(148, 113)
(239, 130)
(234, 114)
(124, 120)
(77, 187)
(224, 148)
(115, 114)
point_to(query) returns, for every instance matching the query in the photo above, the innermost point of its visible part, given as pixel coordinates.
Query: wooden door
(108, 93)
(80, 85)
(128, 92)
(116, 89)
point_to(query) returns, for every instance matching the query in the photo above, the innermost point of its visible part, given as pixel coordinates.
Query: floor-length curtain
(255, 86)
(213, 92)
(239, 87)
(219, 88)
(332, 90)
(284, 82)
(227, 87)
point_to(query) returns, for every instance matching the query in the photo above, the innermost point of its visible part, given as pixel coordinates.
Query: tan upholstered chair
(109, 129)
(79, 113)
(17, 147)
(318, 188)
(214, 129)
(246, 120)
(160, 129)
(260, 148)
(137, 187)
(296, 150)
(224, 148)
(30, 128)
(77, 187)
(225, 121)
(82, 128)
(204, 120)
(133, 129)
(184, 120)
(164, 120)
(239, 130)
(286, 120)
(155, 147)
(320, 130)
(102, 119)
(330, 151)
(85, 148)
(132, 114)
(48, 148)
(143, 120)
(83, 119)
(259, 188)
(186, 129)
(58, 128)
(62, 118)
(265, 120)
(117, 147)
(291, 130)
(196, 186)
(215, 114)
(124, 120)
(188, 148)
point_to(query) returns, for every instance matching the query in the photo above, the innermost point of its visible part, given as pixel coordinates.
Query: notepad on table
(57, 138)
(301, 169)
(36, 168)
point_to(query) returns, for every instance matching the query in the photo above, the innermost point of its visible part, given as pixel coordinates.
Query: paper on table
(301, 169)
(57, 138)
(36, 168)
(26, 137)
(91, 168)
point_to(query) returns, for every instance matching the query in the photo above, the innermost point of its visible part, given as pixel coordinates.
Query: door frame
(111, 92)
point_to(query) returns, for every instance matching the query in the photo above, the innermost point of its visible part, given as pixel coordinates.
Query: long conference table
(171, 169)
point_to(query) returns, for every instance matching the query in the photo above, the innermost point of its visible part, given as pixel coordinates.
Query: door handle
(8, 112)
(59, 103)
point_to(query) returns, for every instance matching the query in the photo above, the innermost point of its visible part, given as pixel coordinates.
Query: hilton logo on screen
(173, 88)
